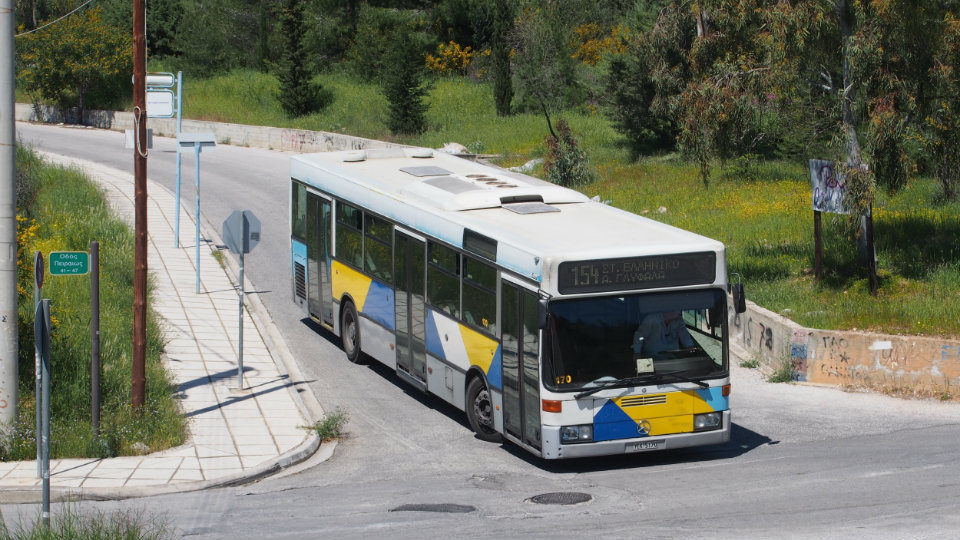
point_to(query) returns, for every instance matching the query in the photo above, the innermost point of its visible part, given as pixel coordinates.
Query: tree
(403, 85)
(642, 81)
(545, 67)
(64, 63)
(500, 54)
(299, 95)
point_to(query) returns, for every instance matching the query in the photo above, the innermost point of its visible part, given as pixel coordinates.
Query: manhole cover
(561, 497)
(441, 507)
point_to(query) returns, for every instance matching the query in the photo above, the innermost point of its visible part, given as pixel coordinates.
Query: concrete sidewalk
(234, 436)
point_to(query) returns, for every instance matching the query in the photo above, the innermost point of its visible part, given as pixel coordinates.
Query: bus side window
(378, 248)
(298, 214)
(350, 235)
(480, 295)
(443, 279)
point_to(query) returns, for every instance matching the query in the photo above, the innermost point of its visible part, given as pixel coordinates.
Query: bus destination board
(634, 273)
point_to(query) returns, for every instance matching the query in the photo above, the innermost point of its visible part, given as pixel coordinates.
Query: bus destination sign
(634, 273)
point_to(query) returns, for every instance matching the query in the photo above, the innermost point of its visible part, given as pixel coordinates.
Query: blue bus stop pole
(196, 157)
(179, 125)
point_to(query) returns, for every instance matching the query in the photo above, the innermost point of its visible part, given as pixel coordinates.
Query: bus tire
(350, 332)
(480, 411)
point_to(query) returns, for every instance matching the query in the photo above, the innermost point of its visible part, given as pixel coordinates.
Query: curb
(308, 404)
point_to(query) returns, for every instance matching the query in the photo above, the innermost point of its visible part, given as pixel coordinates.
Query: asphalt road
(802, 462)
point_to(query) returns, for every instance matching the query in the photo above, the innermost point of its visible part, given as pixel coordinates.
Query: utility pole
(138, 376)
(8, 225)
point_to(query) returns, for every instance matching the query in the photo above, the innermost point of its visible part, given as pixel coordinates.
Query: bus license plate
(643, 446)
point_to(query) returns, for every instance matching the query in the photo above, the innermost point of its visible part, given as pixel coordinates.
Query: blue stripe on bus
(611, 422)
(495, 373)
(379, 305)
(714, 398)
(434, 345)
(299, 250)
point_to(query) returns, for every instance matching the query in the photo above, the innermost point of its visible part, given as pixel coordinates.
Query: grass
(783, 373)
(330, 427)
(761, 211)
(61, 210)
(750, 363)
(68, 522)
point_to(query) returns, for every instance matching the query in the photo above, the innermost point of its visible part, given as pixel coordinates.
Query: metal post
(45, 435)
(36, 362)
(179, 126)
(196, 157)
(817, 246)
(871, 252)
(138, 371)
(240, 345)
(8, 224)
(95, 338)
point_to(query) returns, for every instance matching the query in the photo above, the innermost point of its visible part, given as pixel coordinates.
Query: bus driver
(660, 332)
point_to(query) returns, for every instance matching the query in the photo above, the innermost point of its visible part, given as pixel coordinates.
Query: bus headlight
(576, 434)
(708, 421)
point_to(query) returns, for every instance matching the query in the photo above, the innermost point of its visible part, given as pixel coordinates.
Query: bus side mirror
(542, 315)
(739, 298)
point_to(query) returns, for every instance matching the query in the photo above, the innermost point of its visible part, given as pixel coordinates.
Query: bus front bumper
(552, 449)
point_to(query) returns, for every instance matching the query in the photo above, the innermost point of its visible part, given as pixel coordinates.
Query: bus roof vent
(353, 157)
(530, 208)
(428, 170)
(450, 184)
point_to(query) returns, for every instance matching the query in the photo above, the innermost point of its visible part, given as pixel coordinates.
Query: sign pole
(196, 156)
(240, 346)
(43, 313)
(871, 253)
(95, 338)
(179, 129)
(37, 284)
(817, 247)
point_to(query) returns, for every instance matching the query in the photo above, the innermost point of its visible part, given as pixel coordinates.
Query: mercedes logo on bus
(643, 428)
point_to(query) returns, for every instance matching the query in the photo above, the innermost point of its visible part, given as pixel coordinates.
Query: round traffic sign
(38, 268)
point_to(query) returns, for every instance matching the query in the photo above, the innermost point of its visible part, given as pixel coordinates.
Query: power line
(54, 22)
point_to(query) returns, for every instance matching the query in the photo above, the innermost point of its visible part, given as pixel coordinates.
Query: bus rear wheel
(350, 333)
(480, 411)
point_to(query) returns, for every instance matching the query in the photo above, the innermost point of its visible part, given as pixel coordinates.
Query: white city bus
(563, 325)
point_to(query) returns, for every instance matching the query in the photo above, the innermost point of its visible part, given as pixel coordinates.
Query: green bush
(566, 163)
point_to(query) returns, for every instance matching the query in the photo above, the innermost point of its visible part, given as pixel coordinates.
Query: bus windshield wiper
(647, 377)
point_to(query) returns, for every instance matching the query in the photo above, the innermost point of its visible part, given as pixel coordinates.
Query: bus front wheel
(350, 333)
(480, 411)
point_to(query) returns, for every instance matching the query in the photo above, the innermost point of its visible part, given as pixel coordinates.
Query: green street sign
(69, 263)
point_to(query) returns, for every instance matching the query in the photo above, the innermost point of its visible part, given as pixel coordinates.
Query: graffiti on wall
(298, 140)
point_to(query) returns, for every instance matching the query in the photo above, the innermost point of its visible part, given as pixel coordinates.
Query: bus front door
(521, 367)
(410, 259)
(319, 293)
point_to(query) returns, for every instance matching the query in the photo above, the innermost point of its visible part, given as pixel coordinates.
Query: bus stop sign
(241, 231)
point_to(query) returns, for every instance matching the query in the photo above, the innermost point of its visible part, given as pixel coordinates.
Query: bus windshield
(598, 340)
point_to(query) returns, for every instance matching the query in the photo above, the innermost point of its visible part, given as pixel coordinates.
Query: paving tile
(225, 462)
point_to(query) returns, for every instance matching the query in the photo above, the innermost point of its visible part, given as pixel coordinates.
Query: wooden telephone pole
(138, 390)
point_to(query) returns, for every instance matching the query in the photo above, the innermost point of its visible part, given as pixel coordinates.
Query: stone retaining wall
(294, 140)
(923, 366)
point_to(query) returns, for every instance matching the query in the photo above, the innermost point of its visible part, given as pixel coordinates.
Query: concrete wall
(294, 140)
(922, 366)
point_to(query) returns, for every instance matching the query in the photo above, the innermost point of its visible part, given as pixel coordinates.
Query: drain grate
(447, 508)
(561, 497)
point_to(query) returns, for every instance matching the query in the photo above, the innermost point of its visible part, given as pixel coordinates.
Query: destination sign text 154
(633, 273)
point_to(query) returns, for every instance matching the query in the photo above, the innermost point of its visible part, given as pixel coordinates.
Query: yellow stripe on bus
(346, 280)
(480, 349)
